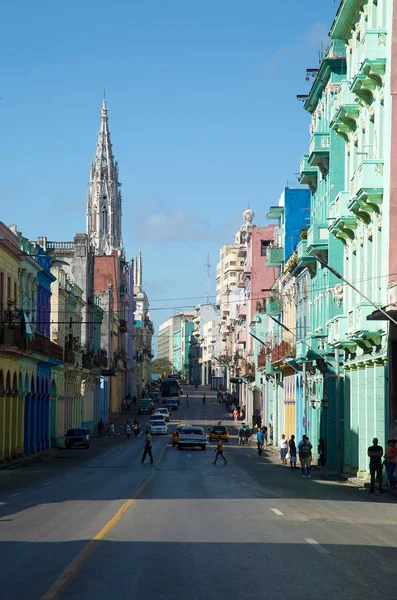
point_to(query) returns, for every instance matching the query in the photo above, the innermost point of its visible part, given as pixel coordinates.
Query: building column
(8, 424)
(2, 424)
(33, 423)
(14, 423)
(21, 424)
(354, 419)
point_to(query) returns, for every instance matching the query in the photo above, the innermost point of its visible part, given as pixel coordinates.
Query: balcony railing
(317, 238)
(43, 345)
(261, 360)
(283, 350)
(274, 305)
(308, 174)
(274, 256)
(319, 151)
(367, 179)
(248, 371)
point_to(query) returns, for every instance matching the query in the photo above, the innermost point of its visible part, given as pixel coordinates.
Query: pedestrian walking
(260, 438)
(390, 462)
(100, 427)
(204, 401)
(292, 452)
(235, 414)
(321, 452)
(375, 454)
(111, 430)
(283, 449)
(305, 456)
(264, 430)
(219, 452)
(241, 435)
(187, 400)
(148, 448)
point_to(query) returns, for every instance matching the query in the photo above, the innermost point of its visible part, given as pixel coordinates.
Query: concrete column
(2, 425)
(347, 434)
(363, 407)
(8, 425)
(354, 418)
(21, 423)
(33, 424)
(15, 417)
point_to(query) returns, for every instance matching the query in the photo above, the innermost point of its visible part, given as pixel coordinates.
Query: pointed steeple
(104, 196)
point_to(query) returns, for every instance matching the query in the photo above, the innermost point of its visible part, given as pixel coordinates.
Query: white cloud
(317, 33)
(171, 226)
(276, 59)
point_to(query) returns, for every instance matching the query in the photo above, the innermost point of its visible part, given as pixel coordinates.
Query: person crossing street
(148, 448)
(219, 452)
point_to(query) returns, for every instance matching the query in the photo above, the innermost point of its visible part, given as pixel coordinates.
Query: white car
(192, 436)
(158, 426)
(164, 412)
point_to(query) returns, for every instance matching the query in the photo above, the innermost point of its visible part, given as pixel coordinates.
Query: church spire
(104, 197)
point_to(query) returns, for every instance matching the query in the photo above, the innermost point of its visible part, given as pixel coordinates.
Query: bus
(170, 393)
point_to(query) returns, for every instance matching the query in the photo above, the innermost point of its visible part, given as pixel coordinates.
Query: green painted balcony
(303, 258)
(374, 45)
(367, 182)
(301, 351)
(274, 256)
(308, 175)
(274, 306)
(344, 119)
(317, 239)
(344, 221)
(319, 151)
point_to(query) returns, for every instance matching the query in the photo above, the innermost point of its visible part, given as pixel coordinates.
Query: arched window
(104, 219)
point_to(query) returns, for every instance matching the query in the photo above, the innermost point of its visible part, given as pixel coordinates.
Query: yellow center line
(59, 586)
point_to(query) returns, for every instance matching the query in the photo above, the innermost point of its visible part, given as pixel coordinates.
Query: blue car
(77, 437)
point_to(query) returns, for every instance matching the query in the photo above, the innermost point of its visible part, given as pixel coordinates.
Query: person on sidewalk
(260, 437)
(390, 462)
(100, 427)
(264, 430)
(241, 434)
(375, 454)
(292, 452)
(111, 430)
(283, 449)
(148, 448)
(305, 455)
(321, 452)
(219, 452)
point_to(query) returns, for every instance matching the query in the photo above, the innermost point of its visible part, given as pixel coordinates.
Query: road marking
(17, 494)
(234, 475)
(249, 455)
(242, 483)
(57, 588)
(68, 475)
(47, 483)
(105, 455)
(277, 512)
(317, 546)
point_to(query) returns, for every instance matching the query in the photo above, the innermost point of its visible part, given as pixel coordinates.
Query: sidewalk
(96, 443)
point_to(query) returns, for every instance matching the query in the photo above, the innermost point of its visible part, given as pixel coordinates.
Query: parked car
(164, 412)
(145, 406)
(192, 436)
(158, 426)
(77, 437)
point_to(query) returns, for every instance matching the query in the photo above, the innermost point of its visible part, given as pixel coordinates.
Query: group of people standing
(290, 452)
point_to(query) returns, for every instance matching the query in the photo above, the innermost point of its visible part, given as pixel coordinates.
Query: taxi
(219, 431)
(175, 433)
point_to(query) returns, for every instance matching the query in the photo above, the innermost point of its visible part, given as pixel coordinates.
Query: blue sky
(202, 110)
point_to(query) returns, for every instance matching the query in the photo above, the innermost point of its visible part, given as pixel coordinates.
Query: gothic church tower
(104, 196)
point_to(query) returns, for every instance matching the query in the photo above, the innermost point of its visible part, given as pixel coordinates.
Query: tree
(162, 366)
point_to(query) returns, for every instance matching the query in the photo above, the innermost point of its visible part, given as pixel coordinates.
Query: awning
(377, 315)
(28, 326)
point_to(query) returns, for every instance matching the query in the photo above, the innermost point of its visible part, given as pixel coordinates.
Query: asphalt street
(100, 526)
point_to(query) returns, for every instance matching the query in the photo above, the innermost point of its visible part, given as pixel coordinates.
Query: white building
(165, 340)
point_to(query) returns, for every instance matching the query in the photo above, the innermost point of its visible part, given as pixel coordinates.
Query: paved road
(109, 527)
